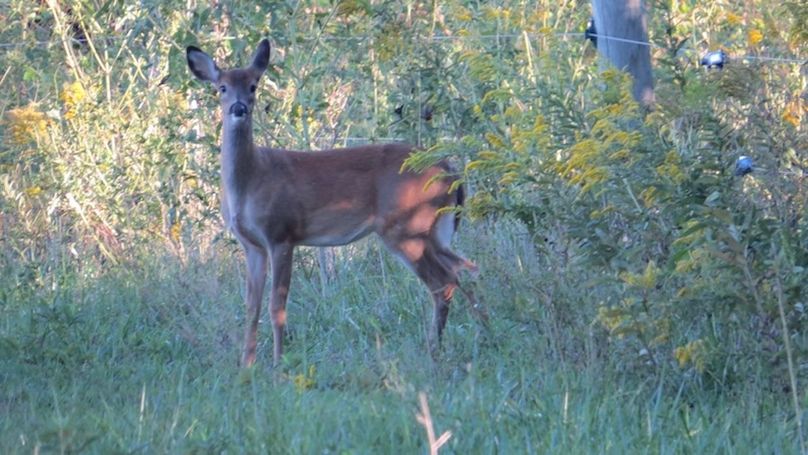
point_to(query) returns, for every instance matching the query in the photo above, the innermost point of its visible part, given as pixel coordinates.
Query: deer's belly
(335, 234)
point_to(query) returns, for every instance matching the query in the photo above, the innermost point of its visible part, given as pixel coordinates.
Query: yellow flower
(647, 280)
(33, 191)
(462, 14)
(25, 124)
(792, 114)
(670, 168)
(72, 95)
(649, 196)
(789, 117)
(494, 140)
(176, 230)
(612, 318)
(304, 382)
(491, 12)
(694, 352)
(692, 261)
(734, 19)
(508, 178)
(754, 37)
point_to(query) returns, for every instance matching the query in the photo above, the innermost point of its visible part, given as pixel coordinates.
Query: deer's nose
(238, 109)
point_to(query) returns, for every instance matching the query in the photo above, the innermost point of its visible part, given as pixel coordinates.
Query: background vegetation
(643, 297)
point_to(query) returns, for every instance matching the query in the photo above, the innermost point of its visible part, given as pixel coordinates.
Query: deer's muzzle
(238, 109)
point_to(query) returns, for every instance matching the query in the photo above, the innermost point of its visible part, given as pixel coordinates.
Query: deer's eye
(222, 89)
(252, 88)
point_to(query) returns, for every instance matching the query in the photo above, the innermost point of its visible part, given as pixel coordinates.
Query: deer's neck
(238, 155)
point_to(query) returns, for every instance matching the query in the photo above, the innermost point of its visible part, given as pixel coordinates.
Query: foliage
(630, 191)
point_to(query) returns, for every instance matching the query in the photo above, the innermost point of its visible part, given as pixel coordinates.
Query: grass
(142, 359)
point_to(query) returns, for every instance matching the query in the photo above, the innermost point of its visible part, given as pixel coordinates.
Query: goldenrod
(25, 124)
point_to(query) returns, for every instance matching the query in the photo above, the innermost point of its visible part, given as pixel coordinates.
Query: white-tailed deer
(274, 200)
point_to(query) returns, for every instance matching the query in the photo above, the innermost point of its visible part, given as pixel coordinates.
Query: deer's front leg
(281, 256)
(256, 278)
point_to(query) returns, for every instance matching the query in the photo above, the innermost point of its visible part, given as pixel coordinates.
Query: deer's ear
(260, 60)
(200, 63)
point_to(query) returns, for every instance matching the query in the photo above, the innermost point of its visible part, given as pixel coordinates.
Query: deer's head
(236, 86)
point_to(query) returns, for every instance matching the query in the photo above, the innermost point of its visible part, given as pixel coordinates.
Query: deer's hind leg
(457, 263)
(436, 270)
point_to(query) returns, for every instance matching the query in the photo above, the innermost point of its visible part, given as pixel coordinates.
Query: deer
(273, 200)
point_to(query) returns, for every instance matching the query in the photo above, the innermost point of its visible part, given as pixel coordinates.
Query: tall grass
(144, 359)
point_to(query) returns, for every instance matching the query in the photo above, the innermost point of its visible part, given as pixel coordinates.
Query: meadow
(144, 359)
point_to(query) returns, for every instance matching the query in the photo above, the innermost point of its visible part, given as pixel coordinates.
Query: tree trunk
(626, 19)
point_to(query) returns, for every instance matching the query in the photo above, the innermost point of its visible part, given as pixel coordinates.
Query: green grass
(143, 359)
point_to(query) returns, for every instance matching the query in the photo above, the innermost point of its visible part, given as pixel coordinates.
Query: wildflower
(649, 196)
(694, 352)
(176, 231)
(25, 124)
(303, 381)
(612, 318)
(754, 37)
(670, 167)
(33, 191)
(462, 14)
(734, 19)
(72, 95)
(792, 114)
(647, 280)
